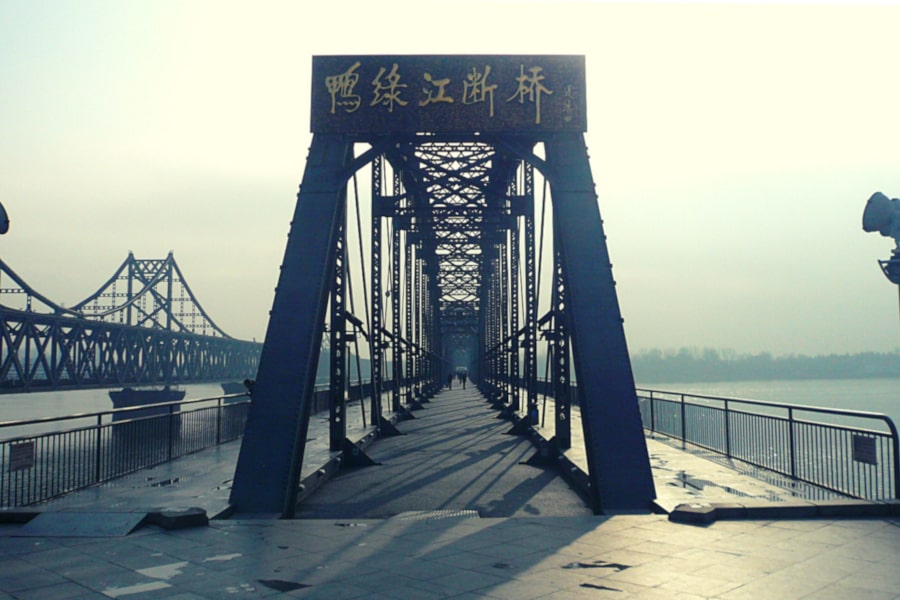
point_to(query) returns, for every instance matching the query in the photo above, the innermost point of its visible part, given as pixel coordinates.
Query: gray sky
(733, 147)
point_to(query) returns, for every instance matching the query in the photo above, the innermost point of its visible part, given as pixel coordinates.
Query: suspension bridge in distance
(142, 327)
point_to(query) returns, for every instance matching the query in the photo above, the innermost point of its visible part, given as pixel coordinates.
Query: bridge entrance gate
(479, 249)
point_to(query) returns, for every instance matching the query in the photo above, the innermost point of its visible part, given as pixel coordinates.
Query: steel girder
(268, 469)
(618, 464)
(454, 212)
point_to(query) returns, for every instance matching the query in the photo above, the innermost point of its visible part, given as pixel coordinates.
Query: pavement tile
(706, 587)
(18, 574)
(741, 568)
(778, 585)
(466, 581)
(59, 591)
(840, 591)
(521, 590)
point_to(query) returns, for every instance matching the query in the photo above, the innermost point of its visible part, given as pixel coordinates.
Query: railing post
(896, 447)
(791, 441)
(683, 423)
(727, 430)
(652, 413)
(219, 421)
(895, 450)
(97, 469)
(171, 429)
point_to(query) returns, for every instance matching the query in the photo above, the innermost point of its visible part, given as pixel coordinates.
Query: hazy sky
(733, 147)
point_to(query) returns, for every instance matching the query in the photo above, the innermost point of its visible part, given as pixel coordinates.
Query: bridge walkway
(352, 551)
(454, 456)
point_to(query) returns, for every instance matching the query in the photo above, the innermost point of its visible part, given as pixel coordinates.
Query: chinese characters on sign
(374, 94)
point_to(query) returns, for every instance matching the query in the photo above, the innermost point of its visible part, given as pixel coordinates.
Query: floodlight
(883, 215)
(4, 220)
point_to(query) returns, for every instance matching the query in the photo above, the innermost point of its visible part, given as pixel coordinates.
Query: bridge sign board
(21, 456)
(448, 94)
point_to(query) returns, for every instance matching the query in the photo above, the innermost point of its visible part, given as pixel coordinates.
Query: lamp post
(4, 220)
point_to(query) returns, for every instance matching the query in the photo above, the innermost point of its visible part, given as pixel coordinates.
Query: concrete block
(693, 514)
(178, 518)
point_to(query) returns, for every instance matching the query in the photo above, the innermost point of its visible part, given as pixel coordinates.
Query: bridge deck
(528, 556)
(455, 455)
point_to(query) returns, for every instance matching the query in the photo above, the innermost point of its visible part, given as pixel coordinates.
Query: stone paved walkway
(452, 553)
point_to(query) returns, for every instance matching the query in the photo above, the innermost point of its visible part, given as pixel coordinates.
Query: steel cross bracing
(454, 277)
(143, 326)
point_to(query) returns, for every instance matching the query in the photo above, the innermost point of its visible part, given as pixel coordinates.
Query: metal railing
(91, 448)
(853, 453)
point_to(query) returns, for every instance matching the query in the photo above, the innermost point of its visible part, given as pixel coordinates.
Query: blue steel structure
(454, 265)
(143, 326)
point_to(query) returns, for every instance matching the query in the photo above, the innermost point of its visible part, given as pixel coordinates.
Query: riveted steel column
(396, 320)
(561, 368)
(514, 311)
(375, 326)
(409, 272)
(337, 403)
(268, 467)
(531, 299)
(618, 464)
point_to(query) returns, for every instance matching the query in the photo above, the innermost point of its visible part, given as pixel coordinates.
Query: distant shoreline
(707, 365)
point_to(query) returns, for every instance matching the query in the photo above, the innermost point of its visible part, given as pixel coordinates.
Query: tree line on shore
(708, 364)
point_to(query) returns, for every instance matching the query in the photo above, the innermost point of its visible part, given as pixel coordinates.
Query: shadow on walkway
(455, 455)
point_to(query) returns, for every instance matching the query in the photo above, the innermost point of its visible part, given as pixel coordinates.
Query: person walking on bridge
(450, 381)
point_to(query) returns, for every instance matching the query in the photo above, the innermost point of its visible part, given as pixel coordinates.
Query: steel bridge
(447, 223)
(143, 326)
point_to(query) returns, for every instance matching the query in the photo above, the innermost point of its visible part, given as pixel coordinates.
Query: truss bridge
(448, 229)
(143, 326)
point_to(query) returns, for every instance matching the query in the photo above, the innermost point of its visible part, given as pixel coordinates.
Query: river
(18, 407)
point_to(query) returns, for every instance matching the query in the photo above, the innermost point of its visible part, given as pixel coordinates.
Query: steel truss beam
(268, 469)
(618, 464)
(459, 212)
(47, 352)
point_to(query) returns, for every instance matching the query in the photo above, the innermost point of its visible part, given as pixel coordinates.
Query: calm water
(871, 395)
(17, 407)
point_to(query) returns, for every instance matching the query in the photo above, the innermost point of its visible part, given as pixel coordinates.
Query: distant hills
(696, 365)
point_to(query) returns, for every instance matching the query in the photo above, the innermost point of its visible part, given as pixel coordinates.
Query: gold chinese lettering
(387, 92)
(433, 96)
(341, 89)
(476, 89)
(530, 87)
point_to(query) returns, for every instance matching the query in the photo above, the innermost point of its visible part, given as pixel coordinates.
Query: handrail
(113, 411)
(846, 477)
(37, 466)
(803, 407)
